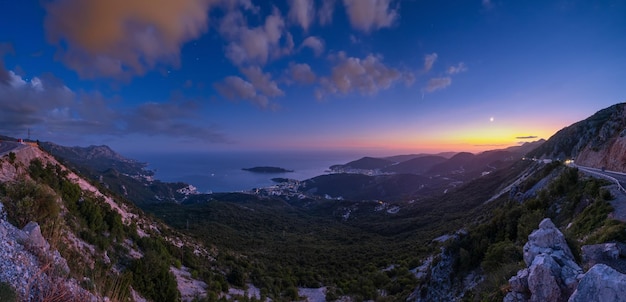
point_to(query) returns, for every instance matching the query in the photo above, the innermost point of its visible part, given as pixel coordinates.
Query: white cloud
(366, 15)
(258, 88)
(429, 61)
(302, 12)
(435, 84)
(262, 82)
(301, 73)
(367, 75)
(315, 43)
(254, 45)
(457, 69)
(54, 111)
(325, 12)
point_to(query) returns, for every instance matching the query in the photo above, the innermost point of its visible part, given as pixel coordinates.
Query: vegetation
(7, 293)
(280, 245)
(95, 222)
(495, 242)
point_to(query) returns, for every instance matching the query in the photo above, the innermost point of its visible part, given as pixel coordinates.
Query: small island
(267, 170)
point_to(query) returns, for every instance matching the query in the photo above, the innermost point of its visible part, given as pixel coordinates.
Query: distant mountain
(598, 141)
(526, 147)
(124, 176)
(364, 187)
(365, 163)
(402, 158)
(98, 158)
(418, 165)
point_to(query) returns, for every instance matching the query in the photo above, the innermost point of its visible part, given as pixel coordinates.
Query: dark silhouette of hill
(418, 165)
(405, 157)
(365, 163)
(364, 187)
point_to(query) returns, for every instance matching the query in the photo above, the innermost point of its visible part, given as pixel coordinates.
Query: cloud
(526, 137)
(170, 119)
(258, 88)
(119, 38)
(235, 88)
(437, 84)
(262, 82)
(367, 75)
(54, 111)
(254, 45)
(325, 12)
(429, 61)
(315, 43)
(302, 12)
(487, 4)
(301, 73)
(366, 15)
(457, 69)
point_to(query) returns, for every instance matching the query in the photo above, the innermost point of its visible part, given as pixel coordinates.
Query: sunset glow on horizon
(384, 76)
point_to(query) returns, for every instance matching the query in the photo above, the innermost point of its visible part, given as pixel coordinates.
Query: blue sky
(377, 75)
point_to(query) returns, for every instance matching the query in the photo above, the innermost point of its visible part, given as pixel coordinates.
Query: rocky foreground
(552, 273)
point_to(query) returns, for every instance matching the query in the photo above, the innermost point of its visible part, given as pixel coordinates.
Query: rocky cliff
(598, 141)
(553, 275)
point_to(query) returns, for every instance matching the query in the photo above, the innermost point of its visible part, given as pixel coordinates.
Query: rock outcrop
(30, 266)
(611, 254)
(601, 283)
(552, 273)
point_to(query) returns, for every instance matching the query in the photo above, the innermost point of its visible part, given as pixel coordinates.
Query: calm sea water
(221, 171)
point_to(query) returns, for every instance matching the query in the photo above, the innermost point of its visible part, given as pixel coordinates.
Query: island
(267, 170)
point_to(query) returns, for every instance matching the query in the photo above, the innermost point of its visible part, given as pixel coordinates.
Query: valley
(415, 227)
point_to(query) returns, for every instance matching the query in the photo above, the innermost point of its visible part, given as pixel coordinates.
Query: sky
(380, 76)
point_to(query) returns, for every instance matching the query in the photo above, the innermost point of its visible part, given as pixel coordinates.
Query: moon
(491, 119)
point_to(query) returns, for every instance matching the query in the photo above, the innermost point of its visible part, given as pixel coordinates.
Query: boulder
(544, 280)
(552, 273)
(546, 239)
(519, 282)
(601, 283)
(32, 237)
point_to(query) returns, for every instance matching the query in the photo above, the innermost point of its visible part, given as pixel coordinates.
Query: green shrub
(29, 201)
(7, 293)
(499, 254)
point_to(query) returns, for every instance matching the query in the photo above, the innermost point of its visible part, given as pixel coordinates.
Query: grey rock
(544, 280)
(592, 254)
(34, 238)
(601, 283)
(515, 297)
(519, 282)
(3, 231)
(546, 239)
(552, 273)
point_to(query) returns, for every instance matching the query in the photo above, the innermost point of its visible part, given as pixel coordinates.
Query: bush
(29, 201)
(7, 293)
(501, 253)
(152, 278)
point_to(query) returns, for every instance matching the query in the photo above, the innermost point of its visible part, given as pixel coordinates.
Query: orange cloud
(121, 38)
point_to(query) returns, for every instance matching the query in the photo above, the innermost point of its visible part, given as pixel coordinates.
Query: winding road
(617, 177)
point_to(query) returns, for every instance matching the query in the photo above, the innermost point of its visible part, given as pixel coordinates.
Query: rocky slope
(598, 141)
(553, 275)
(90, 242)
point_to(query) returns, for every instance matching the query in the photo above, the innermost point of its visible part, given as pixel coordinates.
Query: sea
(222, 171)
